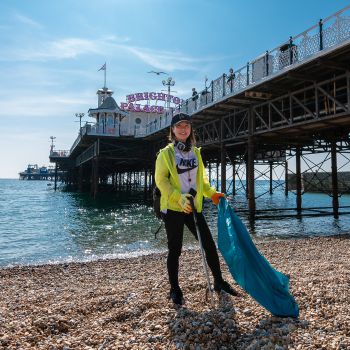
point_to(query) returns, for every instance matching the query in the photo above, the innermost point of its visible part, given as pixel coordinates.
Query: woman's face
(182, 131)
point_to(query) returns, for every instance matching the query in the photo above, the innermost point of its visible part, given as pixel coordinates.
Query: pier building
(274, 113)
(34, 172)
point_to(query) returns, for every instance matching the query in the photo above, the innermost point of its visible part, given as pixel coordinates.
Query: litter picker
(205, 267)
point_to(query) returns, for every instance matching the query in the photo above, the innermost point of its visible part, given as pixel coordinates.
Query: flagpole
(105, 73)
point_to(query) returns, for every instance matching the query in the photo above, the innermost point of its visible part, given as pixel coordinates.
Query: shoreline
(144, 253)
(122, 303)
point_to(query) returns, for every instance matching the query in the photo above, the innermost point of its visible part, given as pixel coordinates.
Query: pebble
(122, 304)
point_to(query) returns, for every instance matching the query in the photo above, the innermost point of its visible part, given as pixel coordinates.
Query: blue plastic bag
(269, 287)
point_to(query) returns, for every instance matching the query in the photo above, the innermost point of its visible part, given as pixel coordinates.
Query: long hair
(191, 137)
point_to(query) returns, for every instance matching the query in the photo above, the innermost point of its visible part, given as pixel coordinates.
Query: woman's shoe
(176, 296)
(225, 286)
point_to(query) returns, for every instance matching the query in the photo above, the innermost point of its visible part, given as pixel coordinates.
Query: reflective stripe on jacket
(168, 182)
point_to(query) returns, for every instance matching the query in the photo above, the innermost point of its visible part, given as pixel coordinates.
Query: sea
(41, 226)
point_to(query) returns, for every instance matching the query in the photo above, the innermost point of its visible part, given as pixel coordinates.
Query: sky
(51, 52)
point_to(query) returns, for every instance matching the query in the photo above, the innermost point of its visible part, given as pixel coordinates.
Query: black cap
(180, 118)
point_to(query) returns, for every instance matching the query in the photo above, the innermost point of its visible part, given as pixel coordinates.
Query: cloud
(57, 50)
(66, 48)
(28, 21)
(116, 38)
(170, 61)
(164, 60)
(112, 45)
(42, 106)
(72, 47)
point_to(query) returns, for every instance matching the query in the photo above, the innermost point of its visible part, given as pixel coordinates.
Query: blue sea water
(39, 225)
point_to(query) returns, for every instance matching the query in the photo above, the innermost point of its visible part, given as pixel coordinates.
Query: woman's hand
(185, 203)
(216, 197)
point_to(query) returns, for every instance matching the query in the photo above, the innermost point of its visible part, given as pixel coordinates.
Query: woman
(179, 173)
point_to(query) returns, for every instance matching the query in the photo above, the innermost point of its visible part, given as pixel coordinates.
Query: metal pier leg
(233, 178)
(145, 184)
(251, 189)
(209, 170)
(286, 178)
(223, 168)
(113, 180)
(335, 192)
(94, 182)
(217, 176)
(246, 178)
(80, 178)
(270, 164)
(298, 178)
(97, 176)
(55, 176)
(152, 178)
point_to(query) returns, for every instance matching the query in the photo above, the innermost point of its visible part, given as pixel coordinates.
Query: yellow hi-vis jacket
(168, 182)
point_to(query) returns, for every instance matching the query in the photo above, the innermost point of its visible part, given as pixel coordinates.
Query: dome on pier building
(109, 117)
(108, 105)
(103, 94)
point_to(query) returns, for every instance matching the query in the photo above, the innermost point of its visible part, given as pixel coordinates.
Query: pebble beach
(122, 304)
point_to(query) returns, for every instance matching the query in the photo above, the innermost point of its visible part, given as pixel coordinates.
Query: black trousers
(174, 225)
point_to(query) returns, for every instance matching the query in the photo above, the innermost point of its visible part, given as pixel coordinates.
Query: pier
(34, 172)
(286, 112)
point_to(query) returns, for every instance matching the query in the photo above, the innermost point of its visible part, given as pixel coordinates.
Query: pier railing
(99, 129)
(324, 35)
(59, 153)
(137, 131)
(155, 125)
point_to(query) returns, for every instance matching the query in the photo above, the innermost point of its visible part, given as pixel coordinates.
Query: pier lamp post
(79, 115)
(52, 145)
(169, 82)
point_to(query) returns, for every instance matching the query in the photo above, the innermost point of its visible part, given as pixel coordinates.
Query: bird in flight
(158, 73)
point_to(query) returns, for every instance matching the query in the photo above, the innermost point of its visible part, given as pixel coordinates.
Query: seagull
(158, 73)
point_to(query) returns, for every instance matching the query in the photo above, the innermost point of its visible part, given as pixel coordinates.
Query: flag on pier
(103, 67)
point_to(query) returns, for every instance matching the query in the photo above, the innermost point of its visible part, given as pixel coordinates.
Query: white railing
(98, 130)
(101, 130)
(158, 124)
(59, 153)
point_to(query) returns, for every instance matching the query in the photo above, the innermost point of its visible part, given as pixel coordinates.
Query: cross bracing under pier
(316, 109)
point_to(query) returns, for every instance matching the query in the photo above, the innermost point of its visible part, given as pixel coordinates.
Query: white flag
(103, 67)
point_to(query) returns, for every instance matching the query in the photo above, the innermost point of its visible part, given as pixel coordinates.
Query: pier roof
(109, 104)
